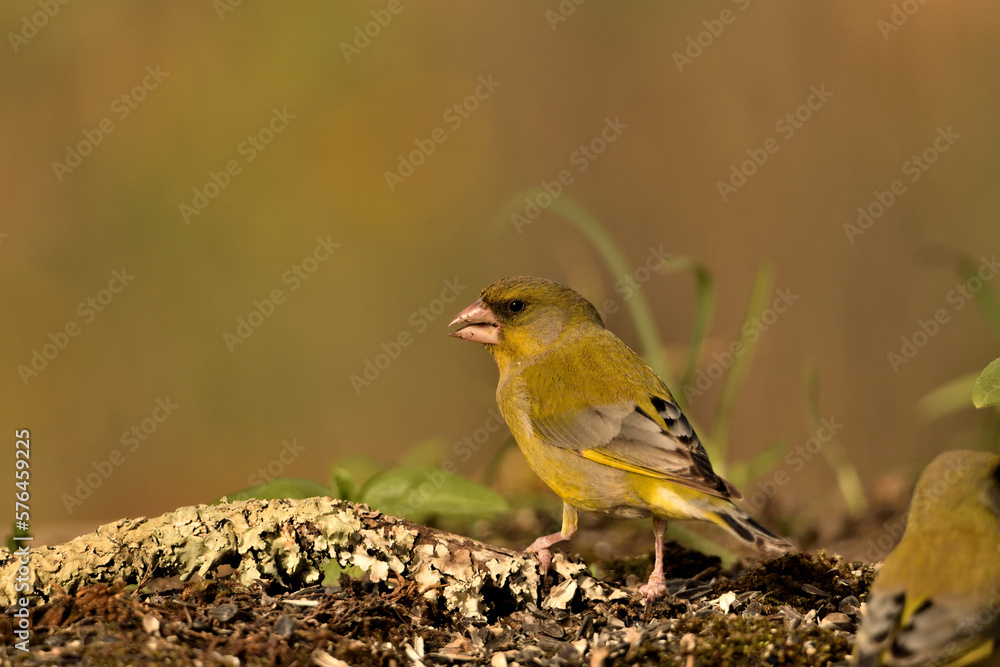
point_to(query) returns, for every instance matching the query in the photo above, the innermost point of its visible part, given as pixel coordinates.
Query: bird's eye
(516, 306)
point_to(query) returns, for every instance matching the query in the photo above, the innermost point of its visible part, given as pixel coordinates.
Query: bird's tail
(748, 530)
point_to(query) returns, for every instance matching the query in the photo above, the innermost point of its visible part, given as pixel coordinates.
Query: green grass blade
(704, 306)
(949, 398)
(741, 473)
(763, 285)
(835, 455)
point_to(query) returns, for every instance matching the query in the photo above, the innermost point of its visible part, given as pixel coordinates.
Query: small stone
(227, 660)
(850, 606)
(324, 659)
(836, 621)
(726, 601)
(151, 625)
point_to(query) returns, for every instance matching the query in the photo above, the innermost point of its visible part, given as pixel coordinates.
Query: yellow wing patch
(598, 456)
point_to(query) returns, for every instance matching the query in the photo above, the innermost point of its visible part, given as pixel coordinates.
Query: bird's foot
(541, 550)
(655, 588)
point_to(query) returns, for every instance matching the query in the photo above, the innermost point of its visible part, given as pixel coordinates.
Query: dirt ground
(800, 609)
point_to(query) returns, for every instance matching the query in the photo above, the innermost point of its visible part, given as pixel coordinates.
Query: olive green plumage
(936, 599)
(594, 421)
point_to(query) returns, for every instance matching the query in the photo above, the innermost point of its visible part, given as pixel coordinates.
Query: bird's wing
(935, 631)
(628, 437)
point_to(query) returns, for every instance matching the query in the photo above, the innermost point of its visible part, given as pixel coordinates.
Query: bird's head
(519, 318)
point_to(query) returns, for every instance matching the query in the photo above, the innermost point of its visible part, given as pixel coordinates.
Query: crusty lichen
(462, 572)
(286, 541)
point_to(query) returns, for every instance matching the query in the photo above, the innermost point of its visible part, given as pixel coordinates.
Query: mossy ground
(776, 617)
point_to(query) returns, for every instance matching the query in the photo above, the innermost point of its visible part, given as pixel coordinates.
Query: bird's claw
(544, 555)
(655, 588)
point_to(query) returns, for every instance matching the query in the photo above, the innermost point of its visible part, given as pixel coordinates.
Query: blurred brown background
(308, 113)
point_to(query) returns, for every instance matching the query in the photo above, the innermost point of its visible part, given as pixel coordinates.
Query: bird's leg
(540, 547)
(657, 584)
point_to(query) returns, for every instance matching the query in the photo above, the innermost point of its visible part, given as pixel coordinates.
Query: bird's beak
(479, 325)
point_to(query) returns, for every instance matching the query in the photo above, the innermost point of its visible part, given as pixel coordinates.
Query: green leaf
(949, 398)
(281, 487)
(986, 391)
(342, 481)
(360, 467)
(419, 492)
(427, 452)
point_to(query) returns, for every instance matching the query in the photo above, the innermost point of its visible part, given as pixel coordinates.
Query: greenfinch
(936, 599)
(595, 422)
